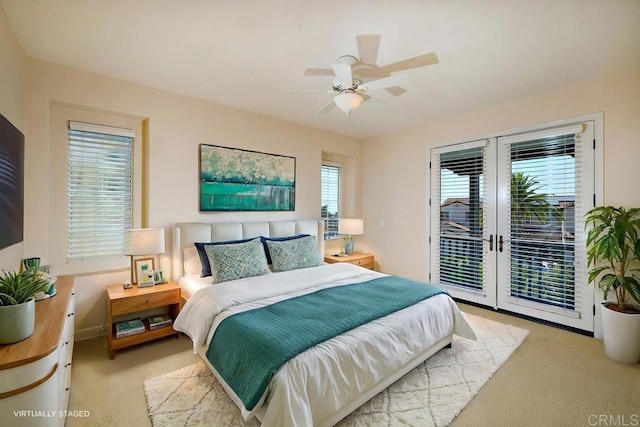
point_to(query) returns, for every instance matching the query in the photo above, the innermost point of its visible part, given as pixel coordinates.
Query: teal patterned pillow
(237, 261)
(294, 254)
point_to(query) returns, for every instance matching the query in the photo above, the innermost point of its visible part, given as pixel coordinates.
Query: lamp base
(131, 281)
(348, 245)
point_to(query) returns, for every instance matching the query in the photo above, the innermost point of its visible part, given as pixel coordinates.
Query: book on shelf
(157, 322)
(128, 328)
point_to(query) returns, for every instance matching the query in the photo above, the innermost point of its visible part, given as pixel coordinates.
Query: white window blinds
(459, 189)
(99, 190)
(331, 198)
(546, 219)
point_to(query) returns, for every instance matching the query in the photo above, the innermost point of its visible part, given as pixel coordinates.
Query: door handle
(500, 243)
(490, 240)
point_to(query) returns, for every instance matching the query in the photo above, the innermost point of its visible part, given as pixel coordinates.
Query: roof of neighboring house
(564, 205)
(452, 200)
(562, 201)
(454, 226)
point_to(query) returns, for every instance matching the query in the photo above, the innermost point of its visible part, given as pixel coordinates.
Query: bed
(324, 380)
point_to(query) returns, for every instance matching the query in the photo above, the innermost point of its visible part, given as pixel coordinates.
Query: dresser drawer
(144, 302)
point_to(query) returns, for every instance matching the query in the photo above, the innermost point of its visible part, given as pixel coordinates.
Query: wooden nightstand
(363, 260)
(125, 301)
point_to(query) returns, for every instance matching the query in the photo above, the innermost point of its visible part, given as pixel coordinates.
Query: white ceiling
(251, 54)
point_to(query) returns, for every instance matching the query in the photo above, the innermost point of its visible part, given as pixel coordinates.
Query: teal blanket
(248, 348)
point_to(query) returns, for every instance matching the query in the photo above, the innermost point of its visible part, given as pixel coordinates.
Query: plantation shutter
(458, 207)
(99, 190)
(547, 199)
(331, 177)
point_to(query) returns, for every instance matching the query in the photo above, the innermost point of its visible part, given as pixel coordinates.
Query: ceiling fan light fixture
(348, 101)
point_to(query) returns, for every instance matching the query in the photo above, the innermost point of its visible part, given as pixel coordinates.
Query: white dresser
(35, 374)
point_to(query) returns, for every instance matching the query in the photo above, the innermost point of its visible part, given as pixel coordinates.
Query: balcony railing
(461, 261)
(541, 270)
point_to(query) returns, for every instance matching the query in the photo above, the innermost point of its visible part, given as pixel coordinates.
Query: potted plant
(17, 303)
(613, 250)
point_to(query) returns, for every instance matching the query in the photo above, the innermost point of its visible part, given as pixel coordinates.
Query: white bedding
(192, 283)
(317, 383)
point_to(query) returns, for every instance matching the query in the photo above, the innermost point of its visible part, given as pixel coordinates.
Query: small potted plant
(17, 303)
(613, 250)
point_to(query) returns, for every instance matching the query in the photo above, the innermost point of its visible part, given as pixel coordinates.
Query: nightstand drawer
(145, 301)
(364, 262)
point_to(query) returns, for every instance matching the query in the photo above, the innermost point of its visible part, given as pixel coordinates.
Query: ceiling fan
(349, 86)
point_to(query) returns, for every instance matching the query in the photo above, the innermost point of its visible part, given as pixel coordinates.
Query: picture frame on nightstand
(147, 280)
(144, 272)
(158, 277)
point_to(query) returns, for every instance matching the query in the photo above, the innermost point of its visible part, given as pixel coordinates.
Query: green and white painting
(239, 180)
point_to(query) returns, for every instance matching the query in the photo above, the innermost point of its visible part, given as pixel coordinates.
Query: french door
(507, 222)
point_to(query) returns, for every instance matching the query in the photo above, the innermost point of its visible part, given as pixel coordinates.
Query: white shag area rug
(432, 394)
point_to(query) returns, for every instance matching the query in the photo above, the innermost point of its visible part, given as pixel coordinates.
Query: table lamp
(350, 227)
(145, 241)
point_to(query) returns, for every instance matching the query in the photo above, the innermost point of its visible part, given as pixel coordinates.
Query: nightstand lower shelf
(147, 335)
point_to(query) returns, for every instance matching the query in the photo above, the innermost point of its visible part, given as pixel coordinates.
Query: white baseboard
(89, 333)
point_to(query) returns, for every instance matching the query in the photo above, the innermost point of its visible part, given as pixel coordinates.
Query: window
(99, 190)
(331, 198)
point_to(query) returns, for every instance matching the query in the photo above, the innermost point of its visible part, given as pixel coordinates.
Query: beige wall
(395, 174)
(11, 106)
(176, 125)
(391, 170)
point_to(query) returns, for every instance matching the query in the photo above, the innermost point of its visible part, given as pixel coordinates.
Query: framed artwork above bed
(232, 179)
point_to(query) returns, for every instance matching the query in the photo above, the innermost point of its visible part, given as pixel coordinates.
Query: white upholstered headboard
(187, 233)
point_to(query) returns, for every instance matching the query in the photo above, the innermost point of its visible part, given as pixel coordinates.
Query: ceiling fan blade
(312, 91)
(327, 107)
(369, 97)
(400, 79)
(343, 74)
(318, 72)
(408, 64)
(395, 90)
(368, 47)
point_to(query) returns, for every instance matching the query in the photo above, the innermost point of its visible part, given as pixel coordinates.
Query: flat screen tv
(11, 184)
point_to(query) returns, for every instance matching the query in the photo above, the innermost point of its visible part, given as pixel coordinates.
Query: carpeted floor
(555, 378)
(430, 395)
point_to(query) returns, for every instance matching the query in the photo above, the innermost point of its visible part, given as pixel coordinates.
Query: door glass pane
(542, 221)
(461, 201)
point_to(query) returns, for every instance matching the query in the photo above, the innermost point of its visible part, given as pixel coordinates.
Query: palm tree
(526, 202)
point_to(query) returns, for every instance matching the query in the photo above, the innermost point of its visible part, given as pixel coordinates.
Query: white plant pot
(621, 335)
(17, 321)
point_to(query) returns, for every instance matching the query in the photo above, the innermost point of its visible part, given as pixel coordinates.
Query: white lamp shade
(350, 226)
(146, 241)
(348, 101)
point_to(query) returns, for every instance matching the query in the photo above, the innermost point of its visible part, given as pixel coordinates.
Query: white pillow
(191, 261)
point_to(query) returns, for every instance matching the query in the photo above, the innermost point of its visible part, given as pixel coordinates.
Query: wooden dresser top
(50, 318)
